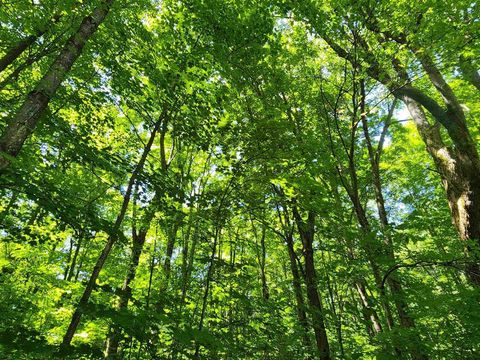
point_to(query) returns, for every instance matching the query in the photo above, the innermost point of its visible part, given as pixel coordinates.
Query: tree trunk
(297, 289)
(459, 167)
(111, 239)
(337, 313)
(469, 72)
(75, 257)
(23, 123)
(368, 311)
(294, 269)
(460, 174)
(167, 266)
(17, 50)
(114, 336)
(207, 290)
(307, 230)
(261, 257)
(374, 157)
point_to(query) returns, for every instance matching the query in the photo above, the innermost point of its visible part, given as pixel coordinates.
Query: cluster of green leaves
(252, 99)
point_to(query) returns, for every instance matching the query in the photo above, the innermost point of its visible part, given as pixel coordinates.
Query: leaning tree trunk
(16, 50)
(459, 167)
(19, 48)
(23, 123)
(114, 234)
(111, 351)
(461, 181)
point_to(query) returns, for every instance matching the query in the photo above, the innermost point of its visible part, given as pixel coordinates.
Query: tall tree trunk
(75, 256)
(337, 312)
(369, 312)
(189, 265)
(297, 289)
(372, 249)
(167, 265)
(307, 231)
(138, 239)
(113, 236)
(207, 289)
(261, 257)
(374, 156)
(459, 166)
(287, 236)
(26, 118)
(459, 169)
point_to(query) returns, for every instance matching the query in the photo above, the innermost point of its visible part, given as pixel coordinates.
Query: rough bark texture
(459, 169)
(23, 123)
(459, 166)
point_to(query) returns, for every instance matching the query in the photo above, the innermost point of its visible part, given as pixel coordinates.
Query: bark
(24, 122)
(374, 157)
(459, 170)
(113, 237)
(469, 72)
(333, 294)
(167, 266)
(115, 334)
(369, 312)
(459, 166)
(75, 257)
(372, 249)
(307, 230)
(265, 290)
(287, 235)
(207, 289)
(185, 251)
(297, 289)
(189, 264)
(17, 50)
(28, 62)
(261, 257)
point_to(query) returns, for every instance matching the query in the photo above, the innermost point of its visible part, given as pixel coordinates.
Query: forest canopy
(240, 179)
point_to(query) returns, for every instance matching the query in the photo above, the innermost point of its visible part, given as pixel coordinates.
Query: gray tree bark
(24, 122)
